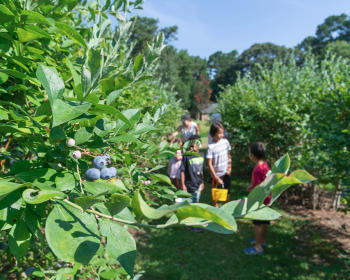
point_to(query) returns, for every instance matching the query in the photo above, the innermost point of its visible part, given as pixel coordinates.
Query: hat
(186, 117)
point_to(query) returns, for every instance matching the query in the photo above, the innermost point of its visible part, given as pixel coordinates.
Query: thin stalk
(97, 213)
(80, 181)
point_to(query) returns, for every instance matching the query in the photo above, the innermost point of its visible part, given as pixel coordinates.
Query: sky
(207, 26)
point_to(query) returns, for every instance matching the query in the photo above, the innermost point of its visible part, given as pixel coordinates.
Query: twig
(80, 183)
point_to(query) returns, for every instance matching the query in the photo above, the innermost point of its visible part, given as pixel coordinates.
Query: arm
(197, 129)
(212, 172)
(184, 188)
(229, 167)
(176, 132)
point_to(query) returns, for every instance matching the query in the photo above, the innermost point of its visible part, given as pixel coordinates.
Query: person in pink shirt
(257, 155)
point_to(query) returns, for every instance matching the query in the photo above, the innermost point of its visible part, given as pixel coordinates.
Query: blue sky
(206, 26)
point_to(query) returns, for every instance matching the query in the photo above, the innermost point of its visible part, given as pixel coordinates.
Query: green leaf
(85, 80)
(263, 214)
(30, 33)
(257, 196)
(82, 135)
(51, 81)
(161, 177)
(113, 96)
(5, 14)
(34, 17)
(133, 115)
(86, 202)
(303, 176)
(141, 209)
(209, 213)
(57, 134)
(126, 138)
(94, 62)
(65, 181)
(32, 196)
(120, 244)
(3, 77)
(34, 174)
(138, 63)
(101, 186)
(64, 111)
(117, 203)
(183, 194)
(282, 165)
(71, 33)
(19, 239)
(71, 234)
(282, 186)
(8, 187)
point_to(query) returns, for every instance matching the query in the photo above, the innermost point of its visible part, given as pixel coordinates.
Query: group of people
(186, 168)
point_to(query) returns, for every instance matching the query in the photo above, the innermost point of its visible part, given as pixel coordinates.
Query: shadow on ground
(296, 250)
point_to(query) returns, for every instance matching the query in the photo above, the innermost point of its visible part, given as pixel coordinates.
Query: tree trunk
(315, 196)
(336, 197)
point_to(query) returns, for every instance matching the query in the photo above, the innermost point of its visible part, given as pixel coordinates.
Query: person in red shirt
(257, 155)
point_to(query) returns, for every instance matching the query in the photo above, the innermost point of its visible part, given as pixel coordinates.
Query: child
(219, 158)
(187, 129)
(257, 155)
(174, 166)
(192, 169)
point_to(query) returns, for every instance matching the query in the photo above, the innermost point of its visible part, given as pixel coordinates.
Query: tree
(145, 29)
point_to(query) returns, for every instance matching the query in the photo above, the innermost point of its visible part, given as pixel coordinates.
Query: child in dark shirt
(192, 169)
(257, 155)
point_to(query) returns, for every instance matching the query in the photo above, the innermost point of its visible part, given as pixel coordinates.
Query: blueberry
(106, 174)
(100, 162)
(70, 142)
(92, 174)
(113, 171)
(3, 246)
(77, 154)
(108, 158)
(29, 270)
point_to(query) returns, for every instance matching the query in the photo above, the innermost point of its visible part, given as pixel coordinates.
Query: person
(192, 169)
(219, 159)
(216, 117)
(257, 154)
(187, 129)
(175, 165)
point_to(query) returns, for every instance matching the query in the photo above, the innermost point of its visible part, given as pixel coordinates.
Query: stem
(80, 183)
(175, 223)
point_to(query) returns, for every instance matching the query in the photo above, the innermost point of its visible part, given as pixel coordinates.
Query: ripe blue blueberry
(92, 174)
(113, 171)
(100, 162)
(108, 173)
(108, 158)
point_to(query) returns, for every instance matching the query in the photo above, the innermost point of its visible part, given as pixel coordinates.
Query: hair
(258, 150)
(179, 141)
(170, 137)
(191, 138)
(214, 128)
(186, 117)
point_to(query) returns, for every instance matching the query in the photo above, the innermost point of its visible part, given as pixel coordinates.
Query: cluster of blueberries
(101, 170)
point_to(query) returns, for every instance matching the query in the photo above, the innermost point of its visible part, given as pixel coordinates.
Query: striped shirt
(188, 132)
(218, 152)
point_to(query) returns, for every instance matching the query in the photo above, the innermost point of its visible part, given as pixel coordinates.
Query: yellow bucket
(219, 194)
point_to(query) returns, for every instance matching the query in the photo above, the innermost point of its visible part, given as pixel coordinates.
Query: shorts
(227, 182)
(258, 223)
(196, 196)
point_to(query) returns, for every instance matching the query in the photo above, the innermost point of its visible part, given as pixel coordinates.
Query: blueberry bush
(83, 150)
(303, 109)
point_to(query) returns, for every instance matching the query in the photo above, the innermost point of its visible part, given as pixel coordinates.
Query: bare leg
(259, 237)
(264, 232)
(215, 203)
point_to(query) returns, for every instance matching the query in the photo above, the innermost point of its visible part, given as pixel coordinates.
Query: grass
(295, 251)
